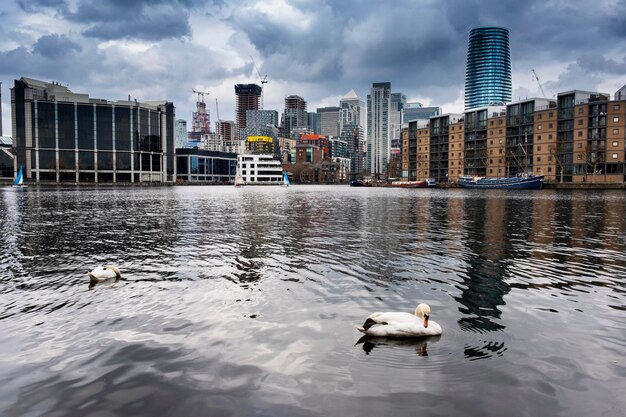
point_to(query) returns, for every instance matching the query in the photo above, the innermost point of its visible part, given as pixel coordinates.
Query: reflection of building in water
(484, 281)
(544, 231)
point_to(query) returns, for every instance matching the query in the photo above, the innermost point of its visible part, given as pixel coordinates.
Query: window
(490, 171)
(549, 125)
(549, 169)
(550, 136)
(550, 158)
(539, 127)
(615, 143)
(490, 151)
(538, 159)
(491, 161)
(580, 110)
(539, 137)
(579, 156)
(452, 129)
(491, 132)
(616, 131)
(539, 116)
(460, 136)
(614, 156)
(580, 133)
(500, 131)
(616, 119)
(550, 114)
(580, 145)
(452, 135)
(580, 122)
(491, 123)
(500, 122)
(538, 148)
(616, 107)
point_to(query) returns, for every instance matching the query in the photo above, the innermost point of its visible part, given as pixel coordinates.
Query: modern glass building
(198, 165)
(61, 136)
(488, 69)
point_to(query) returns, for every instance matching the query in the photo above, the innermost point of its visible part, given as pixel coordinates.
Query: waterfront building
(181, 133)
(295, 115)
(262, 123)
(8, 168)
(416, 111)
(378, 107)
(212, 142)
(62, 136)
(439, 145)
(320, 141)
(352, 111)
(247, 97)
(260, 169)
(199, 165)
(488, 69)
(353, 135)
(577, 138)
(286, 145)
(328, 118)
(338, 148)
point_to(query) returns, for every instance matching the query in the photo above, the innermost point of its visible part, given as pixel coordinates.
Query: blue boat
(522, 181)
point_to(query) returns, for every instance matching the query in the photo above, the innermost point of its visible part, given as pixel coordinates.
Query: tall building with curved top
(488, 69)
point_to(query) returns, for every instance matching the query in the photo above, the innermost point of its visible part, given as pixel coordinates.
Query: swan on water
(395, 324)
(103, 273)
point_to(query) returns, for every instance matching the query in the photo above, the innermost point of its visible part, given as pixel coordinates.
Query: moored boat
(360, 183)
(522, 181)
(408, 184)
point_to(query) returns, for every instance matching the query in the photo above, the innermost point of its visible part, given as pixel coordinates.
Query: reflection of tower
(201, 121)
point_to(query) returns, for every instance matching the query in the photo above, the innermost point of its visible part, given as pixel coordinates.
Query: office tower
(416, 111)
(247, 97)
(378, 106)
(488, 69)
(262, 123)
(62, 136)
(313, 122)
(328, 120)
(352, 111)
(398, 101)
(295, 114)
(181, 133)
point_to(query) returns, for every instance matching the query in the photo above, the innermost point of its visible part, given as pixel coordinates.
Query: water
(244, 302)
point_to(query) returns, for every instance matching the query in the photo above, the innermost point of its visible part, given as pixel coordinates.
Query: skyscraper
(328, 120)
(248, 97)
(378, 106)
(488, 69)
(181, 133)
(295, 114)
(352, 123)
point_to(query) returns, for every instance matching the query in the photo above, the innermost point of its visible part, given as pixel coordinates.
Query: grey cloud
(55, 47)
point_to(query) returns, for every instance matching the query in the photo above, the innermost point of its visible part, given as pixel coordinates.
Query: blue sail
(286, 182)
(19, 180)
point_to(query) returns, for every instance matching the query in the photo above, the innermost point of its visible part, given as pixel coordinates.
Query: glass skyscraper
(488, 69)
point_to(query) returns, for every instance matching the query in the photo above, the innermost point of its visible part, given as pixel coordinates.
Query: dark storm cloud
(55, 46)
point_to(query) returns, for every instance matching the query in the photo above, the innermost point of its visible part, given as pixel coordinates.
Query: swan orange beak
(426, 321)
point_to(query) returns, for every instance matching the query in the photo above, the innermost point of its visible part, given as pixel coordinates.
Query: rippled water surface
(244, 302)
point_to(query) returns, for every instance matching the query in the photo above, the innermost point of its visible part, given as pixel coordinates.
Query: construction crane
(200, 94)
(263, 79)
(538, 82)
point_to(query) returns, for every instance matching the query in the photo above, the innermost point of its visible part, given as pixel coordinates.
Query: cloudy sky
(319, 49)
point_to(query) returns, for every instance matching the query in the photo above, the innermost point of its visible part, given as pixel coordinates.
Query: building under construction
(248, 97)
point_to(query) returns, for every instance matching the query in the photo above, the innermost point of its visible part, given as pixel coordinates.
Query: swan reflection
(420, 344)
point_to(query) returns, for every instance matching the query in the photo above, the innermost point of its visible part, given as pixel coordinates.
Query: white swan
(103, 273)
(392, 324)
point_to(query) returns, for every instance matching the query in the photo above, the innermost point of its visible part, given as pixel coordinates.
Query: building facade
(198, 165)
(488, 68)
(416, 111)
(247, 97)
(577, 138)
(378, 140)
(328, 119)
(295, 115)
(61, 136)
(181, 133)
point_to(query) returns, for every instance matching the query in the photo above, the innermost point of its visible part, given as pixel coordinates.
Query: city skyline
(315, 50)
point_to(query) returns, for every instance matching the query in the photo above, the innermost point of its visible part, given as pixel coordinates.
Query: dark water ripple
(244, 302)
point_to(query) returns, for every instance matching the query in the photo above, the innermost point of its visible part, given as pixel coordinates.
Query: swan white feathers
(104, 273)
(395, 324)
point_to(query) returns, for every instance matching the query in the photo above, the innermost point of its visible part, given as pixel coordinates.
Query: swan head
(423, 312)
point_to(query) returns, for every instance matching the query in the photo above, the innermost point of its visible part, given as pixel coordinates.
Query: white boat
(239, 182)
(19, 180)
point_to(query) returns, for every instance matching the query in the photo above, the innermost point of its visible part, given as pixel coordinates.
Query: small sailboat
(19, 180)
(239, 182)
(286, 182)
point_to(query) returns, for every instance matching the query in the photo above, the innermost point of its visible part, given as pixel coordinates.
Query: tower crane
(201, 118)
(200, 94)
(263, 79)
(538, 82)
